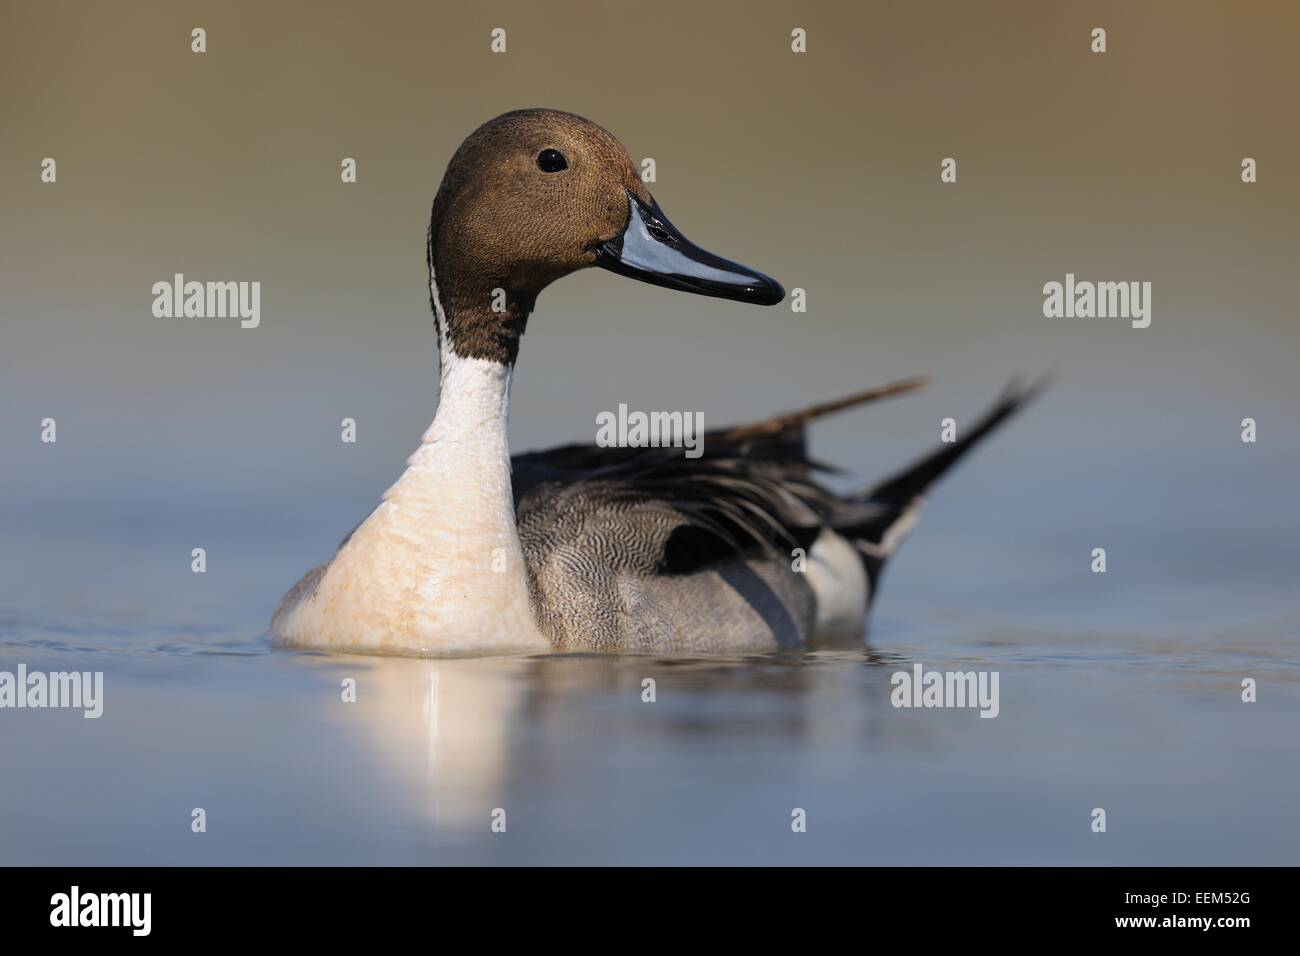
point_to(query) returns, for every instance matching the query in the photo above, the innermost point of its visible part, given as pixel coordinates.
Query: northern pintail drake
(587, 548)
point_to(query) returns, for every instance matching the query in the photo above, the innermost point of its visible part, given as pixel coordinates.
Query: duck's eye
(551, 161)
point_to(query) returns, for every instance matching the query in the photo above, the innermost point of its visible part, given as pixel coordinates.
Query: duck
(586, 548)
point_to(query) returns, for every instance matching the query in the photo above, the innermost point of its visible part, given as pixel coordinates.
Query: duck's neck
(451, 516)
(472, 417)
(465, 453)
(437, 567)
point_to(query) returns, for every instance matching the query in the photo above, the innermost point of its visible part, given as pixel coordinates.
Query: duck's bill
(651, 249)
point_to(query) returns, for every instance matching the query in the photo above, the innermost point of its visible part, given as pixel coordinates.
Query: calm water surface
(1136, 710)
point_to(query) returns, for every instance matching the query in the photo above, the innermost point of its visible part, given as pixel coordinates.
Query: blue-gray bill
(653, 250)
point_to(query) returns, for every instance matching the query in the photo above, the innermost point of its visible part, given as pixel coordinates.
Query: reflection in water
(589, 772)
(470, 734)
(443, 727)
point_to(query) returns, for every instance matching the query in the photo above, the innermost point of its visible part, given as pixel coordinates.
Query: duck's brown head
(534, 195)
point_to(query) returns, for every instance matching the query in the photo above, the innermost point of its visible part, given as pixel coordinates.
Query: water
(1101, 705)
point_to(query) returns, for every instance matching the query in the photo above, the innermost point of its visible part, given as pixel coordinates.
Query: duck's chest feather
(437, 567)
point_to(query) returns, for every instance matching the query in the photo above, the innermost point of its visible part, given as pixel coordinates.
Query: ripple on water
(84, 637)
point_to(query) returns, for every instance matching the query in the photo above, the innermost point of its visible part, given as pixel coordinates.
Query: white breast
(437, 567)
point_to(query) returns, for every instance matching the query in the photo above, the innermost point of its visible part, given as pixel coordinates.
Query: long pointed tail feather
(895, 502)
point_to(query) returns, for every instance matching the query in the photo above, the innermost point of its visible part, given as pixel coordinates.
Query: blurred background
(821, 169)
